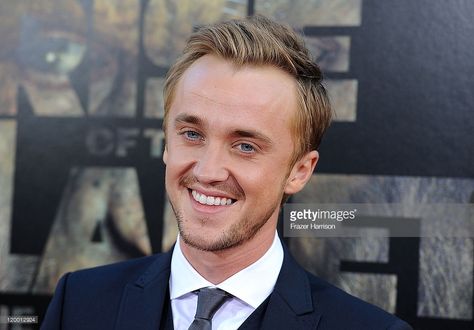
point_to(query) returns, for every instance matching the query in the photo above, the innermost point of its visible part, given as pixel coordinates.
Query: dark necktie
(209, 301)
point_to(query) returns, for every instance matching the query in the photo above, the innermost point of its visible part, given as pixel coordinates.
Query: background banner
(81, 109)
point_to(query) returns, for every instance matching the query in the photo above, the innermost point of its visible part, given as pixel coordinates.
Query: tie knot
(209, 301)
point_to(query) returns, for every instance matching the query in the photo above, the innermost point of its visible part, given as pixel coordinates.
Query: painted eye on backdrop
(56, 55)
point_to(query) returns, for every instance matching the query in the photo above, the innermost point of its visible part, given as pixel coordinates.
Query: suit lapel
(143, 300)
(291, 304)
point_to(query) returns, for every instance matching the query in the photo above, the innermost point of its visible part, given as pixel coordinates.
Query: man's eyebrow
(185, 118)
(188, 119)
(253, 135)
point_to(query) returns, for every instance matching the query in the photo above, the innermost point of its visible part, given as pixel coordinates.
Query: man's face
(228, 151)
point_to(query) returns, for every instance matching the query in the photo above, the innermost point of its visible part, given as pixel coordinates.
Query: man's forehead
(217, 81)
(242, 101)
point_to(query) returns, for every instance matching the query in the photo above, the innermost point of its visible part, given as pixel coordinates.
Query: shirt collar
(252, 284)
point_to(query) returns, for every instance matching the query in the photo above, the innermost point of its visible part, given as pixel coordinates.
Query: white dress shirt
(249, 288)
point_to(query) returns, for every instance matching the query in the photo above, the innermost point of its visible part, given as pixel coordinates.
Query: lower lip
(207, 208)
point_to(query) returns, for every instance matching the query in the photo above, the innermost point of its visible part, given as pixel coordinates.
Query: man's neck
(217, 266)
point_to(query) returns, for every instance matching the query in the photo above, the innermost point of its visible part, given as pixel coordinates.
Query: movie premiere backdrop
(81, 173)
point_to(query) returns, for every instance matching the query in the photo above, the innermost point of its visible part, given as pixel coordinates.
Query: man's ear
(301, 172)
(165, 155)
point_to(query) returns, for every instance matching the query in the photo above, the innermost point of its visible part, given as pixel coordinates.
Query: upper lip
(213, 193)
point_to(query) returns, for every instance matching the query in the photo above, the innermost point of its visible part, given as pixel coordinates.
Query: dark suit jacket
(132, 295)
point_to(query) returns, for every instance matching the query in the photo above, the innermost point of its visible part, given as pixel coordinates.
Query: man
(244, 114)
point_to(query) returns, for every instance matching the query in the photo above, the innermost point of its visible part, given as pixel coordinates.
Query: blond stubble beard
(236, 235)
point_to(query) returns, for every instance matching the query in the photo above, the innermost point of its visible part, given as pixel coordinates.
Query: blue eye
(192, 135)
(245, 147)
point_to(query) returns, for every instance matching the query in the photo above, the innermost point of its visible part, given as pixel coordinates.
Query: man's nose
(210, 166)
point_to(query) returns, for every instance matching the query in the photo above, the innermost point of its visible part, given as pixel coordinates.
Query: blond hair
(258, 40)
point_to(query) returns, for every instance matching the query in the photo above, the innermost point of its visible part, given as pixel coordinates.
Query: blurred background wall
(81, 175)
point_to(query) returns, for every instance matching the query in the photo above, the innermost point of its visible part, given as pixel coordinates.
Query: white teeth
(210, 200)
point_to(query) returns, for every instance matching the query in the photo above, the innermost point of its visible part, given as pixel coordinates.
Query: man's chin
(209, 245)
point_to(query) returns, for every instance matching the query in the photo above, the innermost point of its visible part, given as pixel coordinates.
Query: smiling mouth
(211, 200)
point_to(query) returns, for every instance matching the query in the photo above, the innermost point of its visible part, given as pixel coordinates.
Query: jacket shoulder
(91, 298)
(116, 274)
